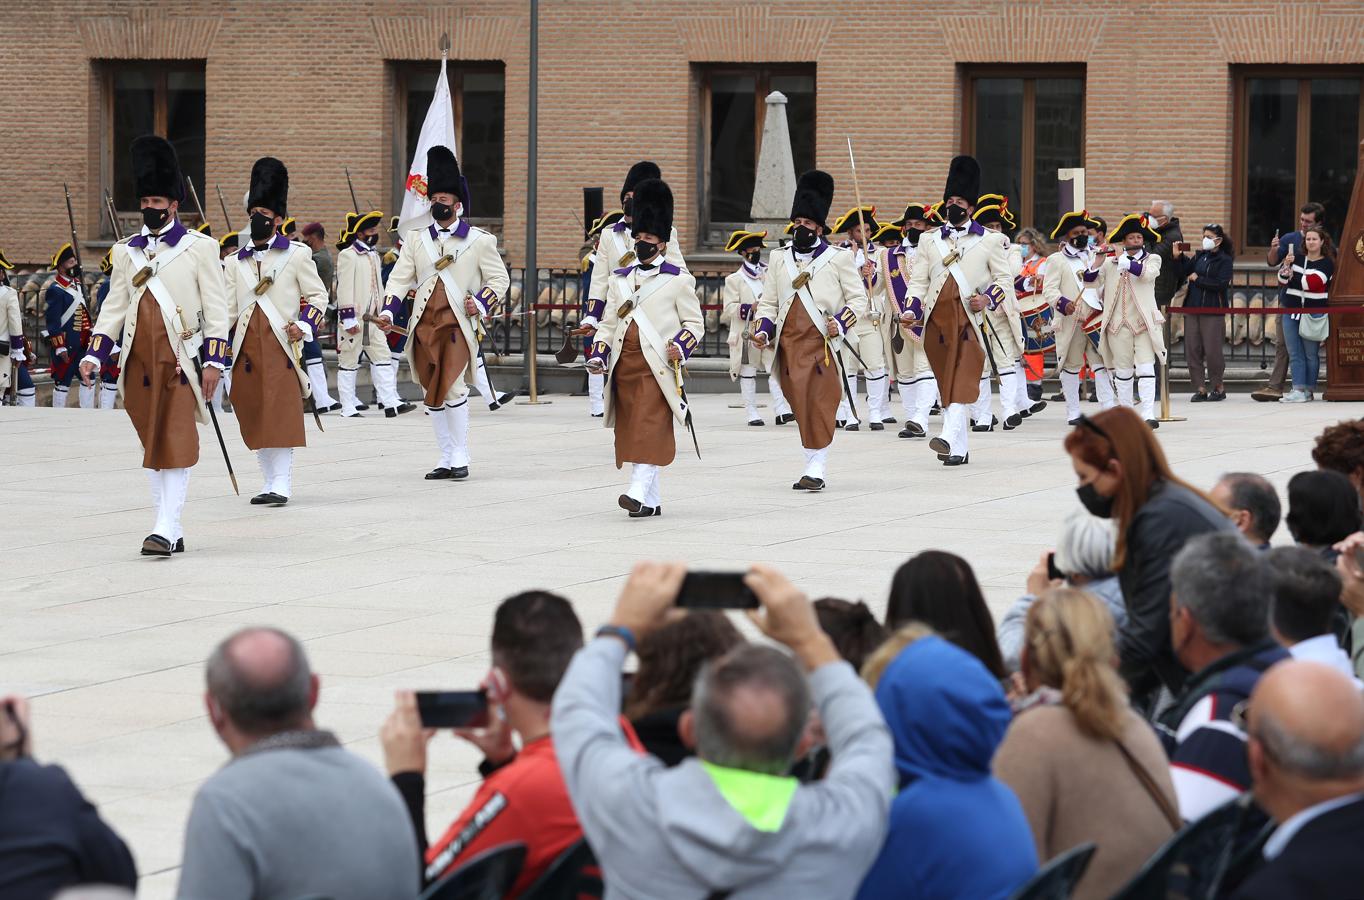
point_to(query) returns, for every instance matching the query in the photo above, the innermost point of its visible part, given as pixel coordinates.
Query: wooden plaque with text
(1345, 346)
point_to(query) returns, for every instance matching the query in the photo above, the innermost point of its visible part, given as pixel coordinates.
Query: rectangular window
(1022, 125)
(151, 97)
(1297, 139)
(478, 92)
(734, 111)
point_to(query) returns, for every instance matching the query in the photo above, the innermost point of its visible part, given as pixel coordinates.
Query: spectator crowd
(1170, 697)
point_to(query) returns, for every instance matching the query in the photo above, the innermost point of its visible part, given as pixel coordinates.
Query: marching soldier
(67, 320)
(596, 381)
(15, 381)
(1070, 286)
(166, 297)
(397, 343)
(913, 375)
(1131, 340)
(742, 292)
(1003, 330)
(459, 277)
(960, 269)
(359, 298)
(227, 248)
(812, 298)
(1033, 252)
(651, 325)
(865, 340)
(265, 280)
(313, 363)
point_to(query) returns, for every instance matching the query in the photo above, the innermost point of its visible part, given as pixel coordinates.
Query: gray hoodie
(670, 834)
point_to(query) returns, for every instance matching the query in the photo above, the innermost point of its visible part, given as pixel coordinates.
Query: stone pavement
(391, 580)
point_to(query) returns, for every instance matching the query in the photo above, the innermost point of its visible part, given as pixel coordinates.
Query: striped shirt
(1306, 283)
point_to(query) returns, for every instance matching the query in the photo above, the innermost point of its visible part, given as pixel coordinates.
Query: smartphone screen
(453, 709)
(716, 590)
(1052, 572)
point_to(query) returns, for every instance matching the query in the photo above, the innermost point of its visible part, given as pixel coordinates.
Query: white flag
(438, 128)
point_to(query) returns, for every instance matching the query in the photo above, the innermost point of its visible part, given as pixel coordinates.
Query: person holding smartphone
(1209, 273)
(1311, 214)
(1305, 281)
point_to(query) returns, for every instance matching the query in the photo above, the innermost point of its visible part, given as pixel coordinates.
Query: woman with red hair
(1123, 475)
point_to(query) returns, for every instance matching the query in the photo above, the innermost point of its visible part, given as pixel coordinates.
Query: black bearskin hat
(442, 173)
(156, 170)
(814, 196)
(640, 171)
(963, 179)
(653, 209)
(269, 186)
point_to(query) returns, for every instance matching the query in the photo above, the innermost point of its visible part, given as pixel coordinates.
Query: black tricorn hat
(814, 196)
(442, 173)
(640, 171)
(653, 213)
(963, 179)
(269, 186)
(156, 169)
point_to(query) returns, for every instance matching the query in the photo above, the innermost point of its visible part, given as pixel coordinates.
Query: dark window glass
(1058, 135)
(1334, 147)
(733, 147)
(1271, 157)
(185, 125)
(156, 98)
(479, 98)
(800, 116)
(134, 114)
(999, 136)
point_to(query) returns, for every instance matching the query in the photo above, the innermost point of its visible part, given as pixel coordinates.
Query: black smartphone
(716, 590)
(1054, 573)
(453, 709)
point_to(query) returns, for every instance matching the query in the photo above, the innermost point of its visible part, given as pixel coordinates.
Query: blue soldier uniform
(67, 328)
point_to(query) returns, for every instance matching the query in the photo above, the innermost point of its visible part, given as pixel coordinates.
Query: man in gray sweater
(292, 814)
(729, 822)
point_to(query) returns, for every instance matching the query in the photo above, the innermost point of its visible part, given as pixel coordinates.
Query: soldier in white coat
(1131, 339)
(265, 280)
(913, 375)
(1003, 332)
(812, 299)
(459, 278)
(960, 270)
(742, 292)
(652, 324)
(14, 378)
(1070, 287)
(166, 297)
(359, 298)
(857, 227)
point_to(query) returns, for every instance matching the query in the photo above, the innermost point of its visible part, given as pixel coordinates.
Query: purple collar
(170, 237)
(619, 226)
(280, 242)
(973, 228)
(461, 229)
(664, 268)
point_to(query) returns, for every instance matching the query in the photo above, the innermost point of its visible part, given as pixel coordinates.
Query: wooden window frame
(403, 71)
(1240, 122)
(159, 69)
(1029, 74)
(711, 236)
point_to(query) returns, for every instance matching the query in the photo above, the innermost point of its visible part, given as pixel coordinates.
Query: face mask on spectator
(1209, 243)
(1096, 503)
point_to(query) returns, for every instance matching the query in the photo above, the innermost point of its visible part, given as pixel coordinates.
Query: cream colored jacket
(836, 288)
(296, 295)
(983, 260)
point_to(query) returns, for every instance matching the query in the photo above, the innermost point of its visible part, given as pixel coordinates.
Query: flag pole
(530, 281)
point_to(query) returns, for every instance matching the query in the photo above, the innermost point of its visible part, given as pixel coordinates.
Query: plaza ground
(391, 581)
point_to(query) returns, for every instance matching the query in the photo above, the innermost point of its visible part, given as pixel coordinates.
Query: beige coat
(1112, 279)
(295, 278)
(359, 285)
(670, 307)
(1061, 279)
(477, 271)
(612, 246)
(12, 326)
(984, 261)
(194, 280)
(738, 291)
(834, 286)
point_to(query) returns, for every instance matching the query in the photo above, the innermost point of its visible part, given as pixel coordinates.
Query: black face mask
(803, 239)
(645, 251)
(1096, 503)
(1080, 241)
(956, 214)
(754, 256)
(154, 218)
(442, 212)
(628, 206)
(370, 240)
(914, 234)
(262, 226)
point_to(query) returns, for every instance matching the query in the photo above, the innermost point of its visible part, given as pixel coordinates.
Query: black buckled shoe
(179, 546)
(645, 512)
(392, 412)
(981, 429)
(913, 430)
(1037, 407)
(362, 406)
(784, 418)
(756, 423)
(156, 545)
(1154, 423)
(851, 426)
(276, 499)
(440, 473)
(877, 426)
(889, 420)
(261, 499)
(459, 473)
(940, 446)
(840, 423)
(807, 483)
(936, 410)
(1013, 421)
(1200, 397)
(629, 504)
(501, 400)
(335, 407)
(1073, 422)
(957, 460)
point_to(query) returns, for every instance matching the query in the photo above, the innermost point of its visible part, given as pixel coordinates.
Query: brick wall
(282, 79)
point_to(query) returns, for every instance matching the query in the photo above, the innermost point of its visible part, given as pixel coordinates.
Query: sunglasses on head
(1088, 423)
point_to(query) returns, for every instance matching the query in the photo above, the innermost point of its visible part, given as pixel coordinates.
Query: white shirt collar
(1326, 650)
(1284, 834)
(451, 230)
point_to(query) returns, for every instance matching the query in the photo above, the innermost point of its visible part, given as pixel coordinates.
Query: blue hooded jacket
(955, 830)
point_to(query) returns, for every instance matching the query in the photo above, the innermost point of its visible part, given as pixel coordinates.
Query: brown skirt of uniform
(954, 352)
(266, 396)
(809, 378)
(440, 354)
(157, 396)
(644, 420)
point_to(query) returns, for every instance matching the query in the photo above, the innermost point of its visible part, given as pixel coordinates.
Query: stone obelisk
(775, 181)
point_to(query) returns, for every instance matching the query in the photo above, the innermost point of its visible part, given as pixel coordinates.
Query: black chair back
(1193, 862)
(488, 876)
(575, 875)
(1057, 879)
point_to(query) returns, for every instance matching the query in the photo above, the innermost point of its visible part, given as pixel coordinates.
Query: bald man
(1306, 729)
